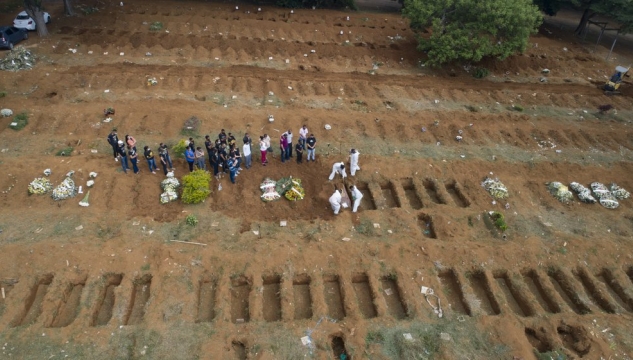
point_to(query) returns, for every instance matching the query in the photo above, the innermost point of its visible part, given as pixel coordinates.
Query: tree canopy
(472, 29)
(621, 11)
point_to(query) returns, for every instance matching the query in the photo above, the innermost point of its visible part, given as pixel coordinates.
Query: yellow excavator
(611, 87)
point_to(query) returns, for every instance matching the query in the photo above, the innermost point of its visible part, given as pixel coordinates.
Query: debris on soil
(560, 191)
(18, 59)
(6, 112)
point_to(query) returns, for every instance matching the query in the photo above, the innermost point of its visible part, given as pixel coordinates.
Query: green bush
(65, 151)
(178, 150)
(195, 187)
(480, 73)
(22, 119)
(3, 94)
(156, 26)
(191, 220)
(517, 107)
(500, 221)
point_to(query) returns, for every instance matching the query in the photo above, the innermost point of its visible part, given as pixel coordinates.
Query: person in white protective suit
(353, 162)
(335, 201)
(339, 168)
(356, 196)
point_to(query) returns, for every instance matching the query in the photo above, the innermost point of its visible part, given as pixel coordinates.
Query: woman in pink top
(263, 149)
(130, 141)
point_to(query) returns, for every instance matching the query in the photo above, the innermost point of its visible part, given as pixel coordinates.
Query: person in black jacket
(113, 140)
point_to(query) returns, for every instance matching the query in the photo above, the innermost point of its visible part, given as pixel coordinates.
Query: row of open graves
(412, 193)
(357, 295)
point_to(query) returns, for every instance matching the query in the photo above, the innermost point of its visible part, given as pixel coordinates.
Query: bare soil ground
(106, 282)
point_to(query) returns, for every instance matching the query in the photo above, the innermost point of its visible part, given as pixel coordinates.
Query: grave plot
(515, 299)
(33, 302)
(453, 292)
(360, 283)
(302, 297)
(206, 300)
(69, 306)
(564, 288)
(333, 297)
(410, 192)
(484, 296)
(106, 300)
(543, 297)
(597, 296)
(390, 195)
(240, 291)
(138, 301)
(455, 190)
(575, 338)
(426, 225)
(272, 298)
(240, 350)
(431, 190)
(615, 289)
(396, 307)
(539, 340)
(338, 348)
(367, 202)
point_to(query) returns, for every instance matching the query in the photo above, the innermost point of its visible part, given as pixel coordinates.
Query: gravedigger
(611, 87)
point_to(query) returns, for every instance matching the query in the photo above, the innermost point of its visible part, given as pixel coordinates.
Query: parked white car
(24, 21)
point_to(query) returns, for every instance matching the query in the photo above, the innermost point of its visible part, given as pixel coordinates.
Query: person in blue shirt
(190, 157)
(232, 162)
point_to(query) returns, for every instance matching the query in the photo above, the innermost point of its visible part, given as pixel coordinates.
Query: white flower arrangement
(40, 186)
(495, 188)
(584, 194)
(85, 201)
(604, 196)
(66, 189)
(619, 192)
(560, 191)
(169, 186)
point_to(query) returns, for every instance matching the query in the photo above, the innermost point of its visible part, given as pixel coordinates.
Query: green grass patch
(517, 107)
(550, 355)
(20, 121)
(365, 227)
(156, 26)
(191, 127)
(65, 151)
(447, 339)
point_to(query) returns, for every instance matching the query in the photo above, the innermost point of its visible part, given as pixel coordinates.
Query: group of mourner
(224, 156)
